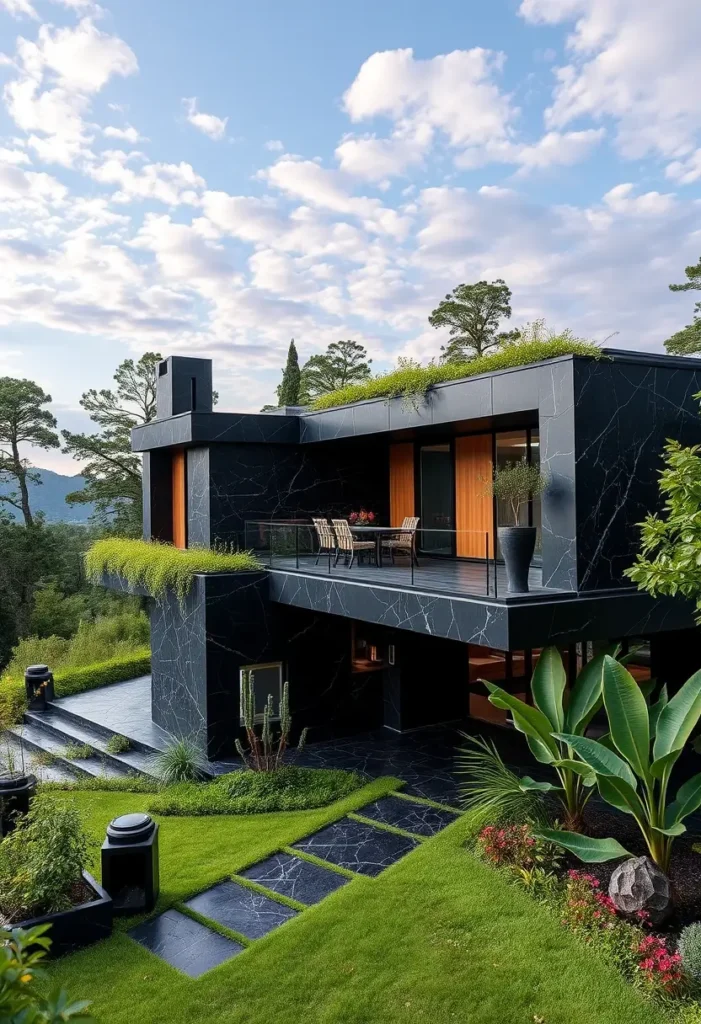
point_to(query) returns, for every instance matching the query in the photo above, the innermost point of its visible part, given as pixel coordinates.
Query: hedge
(414, 381)
(161, 567)
(70, 681)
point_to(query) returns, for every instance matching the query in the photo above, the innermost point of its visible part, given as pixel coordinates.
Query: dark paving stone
(184, 943)
(421, 819)
(241, 909)
(362, 848)
(295, 878)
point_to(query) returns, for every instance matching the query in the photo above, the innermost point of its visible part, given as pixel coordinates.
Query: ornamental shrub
(158, 567)
(689, 948)
(412, 381)
(659, 970)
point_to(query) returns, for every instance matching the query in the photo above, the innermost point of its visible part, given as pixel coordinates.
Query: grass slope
(438, 937)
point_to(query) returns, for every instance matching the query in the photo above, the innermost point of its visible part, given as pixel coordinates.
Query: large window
(436, 477)
(267, 680)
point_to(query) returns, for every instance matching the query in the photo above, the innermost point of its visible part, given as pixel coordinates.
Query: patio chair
(325, 536)
(404, 542)
(346, 544)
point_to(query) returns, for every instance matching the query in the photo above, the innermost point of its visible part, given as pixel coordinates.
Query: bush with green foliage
(409, 382)
(42, 860)
(248, 792)
(181, 761)
(515, 484)
(23, 980)
(158, 568)
(118, 744)
(689, 947)
(491, 787)
(103, 784)
(78, 751)
(632, 769)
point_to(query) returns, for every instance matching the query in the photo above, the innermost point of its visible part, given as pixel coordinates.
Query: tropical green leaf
(674, 830)
(687, 801)
(529, 785)
(664, 764)
(655, 710)
(585, 698)
(540, 751)
(599, 757)
(621, 795)
(529, 720)
(589, 850)
(677, 720)
(628, 716)
(570, 765)
(548, 687)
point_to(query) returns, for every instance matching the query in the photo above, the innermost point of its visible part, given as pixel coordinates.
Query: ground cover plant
(23, 976)
(160, 567)
(417, 381)
(249, 792)
(438, 937)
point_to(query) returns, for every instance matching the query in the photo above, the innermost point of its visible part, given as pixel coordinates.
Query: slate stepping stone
(421, 819)
(184, 943)
(241, 909)
(295, 878)
(362, 848)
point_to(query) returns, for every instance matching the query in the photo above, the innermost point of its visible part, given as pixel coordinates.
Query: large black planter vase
(517, 546)
(16, 792)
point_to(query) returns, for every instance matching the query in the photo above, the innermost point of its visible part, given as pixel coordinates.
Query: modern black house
(384, 641)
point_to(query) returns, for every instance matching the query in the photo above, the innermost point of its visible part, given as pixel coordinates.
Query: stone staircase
(46, 735)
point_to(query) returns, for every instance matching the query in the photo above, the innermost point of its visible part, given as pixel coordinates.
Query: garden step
(44, 773)
(73, 731)
(38, 739)
(60, 712)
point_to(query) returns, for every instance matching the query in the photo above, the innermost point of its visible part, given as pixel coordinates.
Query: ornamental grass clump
(158, 567)
(689, 948)
(412, 382)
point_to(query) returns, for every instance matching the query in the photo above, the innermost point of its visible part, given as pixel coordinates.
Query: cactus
(265, 751)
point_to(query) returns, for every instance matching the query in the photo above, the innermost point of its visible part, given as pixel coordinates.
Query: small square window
(267, 680)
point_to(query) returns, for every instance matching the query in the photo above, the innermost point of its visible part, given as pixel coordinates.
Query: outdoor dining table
(380, 532)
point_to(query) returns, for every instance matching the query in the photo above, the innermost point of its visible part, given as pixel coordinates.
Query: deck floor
(434, 575)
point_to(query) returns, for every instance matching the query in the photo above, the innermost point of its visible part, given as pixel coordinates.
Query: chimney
(183, 385)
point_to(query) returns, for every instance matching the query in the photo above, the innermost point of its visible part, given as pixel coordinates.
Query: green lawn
(438, 937)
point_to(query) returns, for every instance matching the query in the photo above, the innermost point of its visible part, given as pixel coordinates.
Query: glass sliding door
(436, 475)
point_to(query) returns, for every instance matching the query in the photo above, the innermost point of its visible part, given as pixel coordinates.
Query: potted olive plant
(515, 484)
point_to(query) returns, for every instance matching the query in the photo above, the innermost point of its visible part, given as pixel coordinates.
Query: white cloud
(171, 184)
(685, 171)
(19, 8)
(620, 199)
(209, 124)
(374, 159)
(274, 145)
(636, 62)
(82, 58)
(13, 156)
(128, 134)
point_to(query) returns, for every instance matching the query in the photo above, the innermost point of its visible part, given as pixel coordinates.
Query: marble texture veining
(420, 819)
(241, 909)
(295, 878)
(357, 847)
(184, 943)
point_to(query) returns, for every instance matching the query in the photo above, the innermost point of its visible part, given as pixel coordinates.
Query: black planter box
(80, 926)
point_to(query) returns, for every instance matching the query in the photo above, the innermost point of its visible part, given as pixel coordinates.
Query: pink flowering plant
(659, 969)
(362, 518)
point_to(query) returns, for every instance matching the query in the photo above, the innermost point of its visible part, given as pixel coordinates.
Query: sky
(216, 178)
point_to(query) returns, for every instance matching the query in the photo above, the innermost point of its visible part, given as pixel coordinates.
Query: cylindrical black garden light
(39, 686)
(130, 863)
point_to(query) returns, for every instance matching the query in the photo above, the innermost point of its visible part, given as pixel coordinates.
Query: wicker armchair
(404, 542)
(325, 537)
(346, 544)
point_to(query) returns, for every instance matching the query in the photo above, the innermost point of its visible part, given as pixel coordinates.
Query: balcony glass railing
(386, 556)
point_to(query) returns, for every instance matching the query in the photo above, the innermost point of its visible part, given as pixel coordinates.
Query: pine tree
(290, 389)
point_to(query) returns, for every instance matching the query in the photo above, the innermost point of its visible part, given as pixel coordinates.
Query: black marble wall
(269, 481)
(624, 413)
(197, 650)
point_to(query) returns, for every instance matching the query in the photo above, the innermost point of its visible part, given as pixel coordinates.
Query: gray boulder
(638, 884)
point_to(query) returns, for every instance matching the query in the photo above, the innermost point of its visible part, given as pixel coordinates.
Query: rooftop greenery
(411, 381)
(160, 567)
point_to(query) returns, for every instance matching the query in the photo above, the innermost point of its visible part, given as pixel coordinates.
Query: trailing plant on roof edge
(416, 381)
(161, 567)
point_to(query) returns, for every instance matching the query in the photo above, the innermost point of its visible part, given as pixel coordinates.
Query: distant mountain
(49, 497)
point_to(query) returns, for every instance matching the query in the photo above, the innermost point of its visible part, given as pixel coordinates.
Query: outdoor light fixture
(130, 863)
(39, 686)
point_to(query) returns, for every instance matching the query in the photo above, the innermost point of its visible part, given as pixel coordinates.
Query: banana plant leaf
(589, 850)
(678, 718)
(628, 716)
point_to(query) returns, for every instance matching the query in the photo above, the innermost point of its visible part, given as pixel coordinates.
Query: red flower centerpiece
(362, 518)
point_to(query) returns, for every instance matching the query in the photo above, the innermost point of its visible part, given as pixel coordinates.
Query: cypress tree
(288, 392)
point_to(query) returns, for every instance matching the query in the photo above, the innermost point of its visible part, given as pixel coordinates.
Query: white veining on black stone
(357, 847)
(184, 943)
(241, 909)
(421, 819)
(295, 878)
